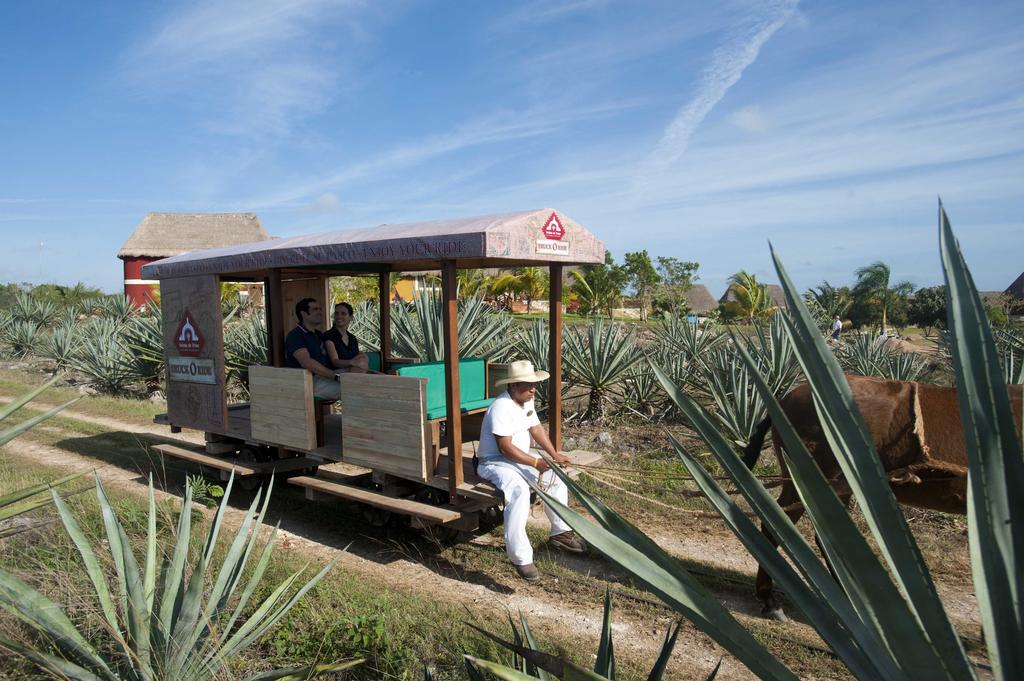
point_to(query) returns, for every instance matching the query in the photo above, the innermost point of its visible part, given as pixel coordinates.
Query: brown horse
(917, 431)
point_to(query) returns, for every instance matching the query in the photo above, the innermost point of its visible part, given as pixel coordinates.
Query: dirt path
(553, 604)
(394, 565)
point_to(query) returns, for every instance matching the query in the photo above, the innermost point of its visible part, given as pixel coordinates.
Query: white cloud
(246, 67)
(727, 65)
(750, 119)
(326, 203)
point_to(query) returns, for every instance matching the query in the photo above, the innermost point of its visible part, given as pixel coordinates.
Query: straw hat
(521, 371)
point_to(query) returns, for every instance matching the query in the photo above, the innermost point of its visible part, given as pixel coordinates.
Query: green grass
(347, 615)
(14, 382)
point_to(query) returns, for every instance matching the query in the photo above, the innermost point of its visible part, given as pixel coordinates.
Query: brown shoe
(568, 541)
(528, 572)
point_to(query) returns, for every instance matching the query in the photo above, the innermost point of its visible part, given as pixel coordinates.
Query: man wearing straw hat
(507, 462)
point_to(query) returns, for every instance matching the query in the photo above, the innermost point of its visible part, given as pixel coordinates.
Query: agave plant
(116, 307)
(104, 358)
(641, 391)
(530, 662)
(772, 348)
(22, 337)
(883, 618)
(728, 384)
(599, 360)
(29, 309)
(245, 345)
(186, 624)
(1010, 346)
(144, 338)
(534, 344)
(25, 500)
(61, 346)
(870, 355)
(690, 340)
(418, 332)
(366, 324)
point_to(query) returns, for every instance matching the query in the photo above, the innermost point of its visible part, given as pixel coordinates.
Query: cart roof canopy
(506, 240)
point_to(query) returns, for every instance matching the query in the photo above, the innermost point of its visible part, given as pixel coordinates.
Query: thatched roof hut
(775, 292)
(161, 235)
(1016, 289)
(700, 300)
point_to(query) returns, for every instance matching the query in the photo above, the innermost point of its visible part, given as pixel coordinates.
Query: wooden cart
(410, 431)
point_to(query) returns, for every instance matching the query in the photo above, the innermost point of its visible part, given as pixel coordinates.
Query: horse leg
(764, 585)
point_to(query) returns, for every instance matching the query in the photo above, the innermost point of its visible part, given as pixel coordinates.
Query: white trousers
(510, 478)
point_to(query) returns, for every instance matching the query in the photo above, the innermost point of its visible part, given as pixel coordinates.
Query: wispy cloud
(492, 130)
(252, 67)
(728, 63)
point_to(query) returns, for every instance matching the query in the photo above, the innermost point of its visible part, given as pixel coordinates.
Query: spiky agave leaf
(994, 454)
(178, 631)
(599, 359)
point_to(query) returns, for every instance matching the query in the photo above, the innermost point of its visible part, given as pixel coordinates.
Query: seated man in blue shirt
(304, 348)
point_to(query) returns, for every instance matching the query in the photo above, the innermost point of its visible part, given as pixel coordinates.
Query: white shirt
(506, 418)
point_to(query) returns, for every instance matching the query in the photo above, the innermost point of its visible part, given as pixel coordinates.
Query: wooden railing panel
(282, 407)
(384, 424)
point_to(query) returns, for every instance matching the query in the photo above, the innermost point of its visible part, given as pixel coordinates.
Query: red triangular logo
(553, 229)
(187, 338)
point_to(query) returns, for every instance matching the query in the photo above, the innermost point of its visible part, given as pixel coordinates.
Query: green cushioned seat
(477, 404)
(374, 358)
(472, 384)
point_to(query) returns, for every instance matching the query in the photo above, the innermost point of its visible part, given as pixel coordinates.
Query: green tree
(472, 282)
(599, 287)
(676, 278)
(873, 290)
(531, 283)
(643, 279)
(752, 299)
(928, 308)
(835, 302)
(352, 290)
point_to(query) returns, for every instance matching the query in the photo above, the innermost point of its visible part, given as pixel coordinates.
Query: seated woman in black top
(342, 347)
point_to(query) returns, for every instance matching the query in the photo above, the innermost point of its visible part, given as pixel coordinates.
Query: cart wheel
(440, 533)
(491, 517)
(252, 454)
(375, 517)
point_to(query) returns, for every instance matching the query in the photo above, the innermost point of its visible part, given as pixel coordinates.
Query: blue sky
(697, 130)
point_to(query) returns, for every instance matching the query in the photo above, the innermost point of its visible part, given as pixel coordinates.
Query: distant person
(506, 460)
(304, 349)
(342, 347)
(837, 327)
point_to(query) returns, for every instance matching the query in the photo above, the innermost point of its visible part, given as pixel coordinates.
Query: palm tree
(503, 290)
(834, 301)
(751, 296)
(472, 282)
(532, 283)
(873, 287)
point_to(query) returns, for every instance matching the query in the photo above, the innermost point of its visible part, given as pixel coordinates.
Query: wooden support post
(384, 283)
(450, 302)
(555, 356)
(275, 319)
